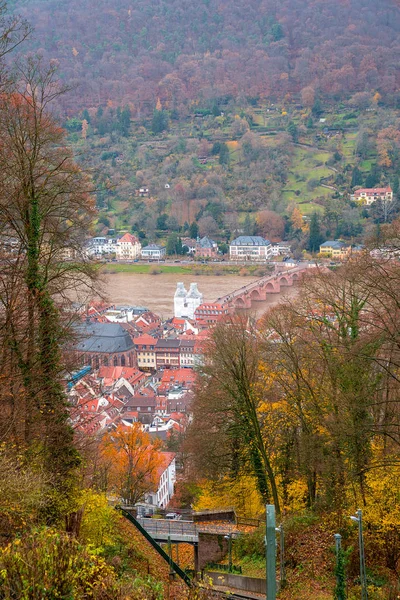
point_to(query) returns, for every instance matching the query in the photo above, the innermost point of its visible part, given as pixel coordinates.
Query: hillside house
(368, 196)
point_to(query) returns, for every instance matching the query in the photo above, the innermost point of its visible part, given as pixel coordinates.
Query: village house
(335, 249)
(143, 404)
(173, 378)
(250, 247)
(167, 352)
(153, 252)
(128, 247)
(145, 352)
(206, 248)
(368, 196)
(186, 353)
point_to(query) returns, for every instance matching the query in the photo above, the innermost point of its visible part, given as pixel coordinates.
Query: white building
(250, 247)
(185, 303)
(153, 252)
(370, 195)
(280, 249)
(100, 246)
(166, 477)
(128, 247)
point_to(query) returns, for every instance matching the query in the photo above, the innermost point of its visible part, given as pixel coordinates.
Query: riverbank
(211, 269)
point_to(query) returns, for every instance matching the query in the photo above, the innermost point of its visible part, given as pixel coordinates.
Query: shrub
(48, 564)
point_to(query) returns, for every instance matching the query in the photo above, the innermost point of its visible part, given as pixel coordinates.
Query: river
(157, 291)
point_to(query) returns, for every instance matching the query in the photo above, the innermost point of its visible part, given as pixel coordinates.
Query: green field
(302, 187)
(144, 269)
(194, 268)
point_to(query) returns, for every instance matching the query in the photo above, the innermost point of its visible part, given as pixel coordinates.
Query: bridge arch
(240, 303)
(284, 281)
(269, 287)
(255, 295)
(295, 277)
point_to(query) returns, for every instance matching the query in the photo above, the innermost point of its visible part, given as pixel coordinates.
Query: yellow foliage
(232, 145)
(98, 521)
(241, 493)
(297, 494)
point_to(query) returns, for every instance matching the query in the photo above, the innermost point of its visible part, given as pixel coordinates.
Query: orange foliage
(132, 461)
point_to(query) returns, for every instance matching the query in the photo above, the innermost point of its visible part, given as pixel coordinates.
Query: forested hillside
(183, 51)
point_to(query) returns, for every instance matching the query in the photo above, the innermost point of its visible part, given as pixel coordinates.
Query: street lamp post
(270, 540)
(363, 573)
(281, 556)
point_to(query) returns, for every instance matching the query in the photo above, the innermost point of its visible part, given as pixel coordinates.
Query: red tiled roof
(128, 237)
(373, 191)
(111, 374)
(145, 340)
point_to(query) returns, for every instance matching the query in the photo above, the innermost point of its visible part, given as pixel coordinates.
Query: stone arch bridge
(257, 290)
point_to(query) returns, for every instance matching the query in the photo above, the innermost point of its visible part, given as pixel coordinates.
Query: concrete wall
(238, 582)
(212, 548)
(224, 514)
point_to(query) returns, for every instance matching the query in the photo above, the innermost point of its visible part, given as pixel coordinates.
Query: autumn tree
(45, 214)
(226, 409)
(270, 225)
(133, 462)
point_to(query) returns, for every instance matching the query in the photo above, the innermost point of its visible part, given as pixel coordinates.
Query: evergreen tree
(248, 225)
(224, 154)
(315, 238)
(193, 230)
(317, 108)
(174, 245)
(395, 185)
(357, 177)
(373, 178)
(159, 122)
(293, 132)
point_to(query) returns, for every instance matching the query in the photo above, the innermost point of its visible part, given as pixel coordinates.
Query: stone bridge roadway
(258, 290)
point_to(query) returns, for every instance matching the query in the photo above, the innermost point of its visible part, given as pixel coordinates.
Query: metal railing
(173, 566)
(165, 528)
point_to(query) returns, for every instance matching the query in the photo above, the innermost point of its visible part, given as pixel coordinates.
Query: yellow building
(335, 249)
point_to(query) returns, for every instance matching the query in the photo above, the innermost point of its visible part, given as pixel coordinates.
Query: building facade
(368, 196)
(128, 247)
(335, 249)
(210, 312)
(145, 352)
(153, 252)
(250, 248)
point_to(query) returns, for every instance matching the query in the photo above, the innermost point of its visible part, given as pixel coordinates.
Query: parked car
(173, 516)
